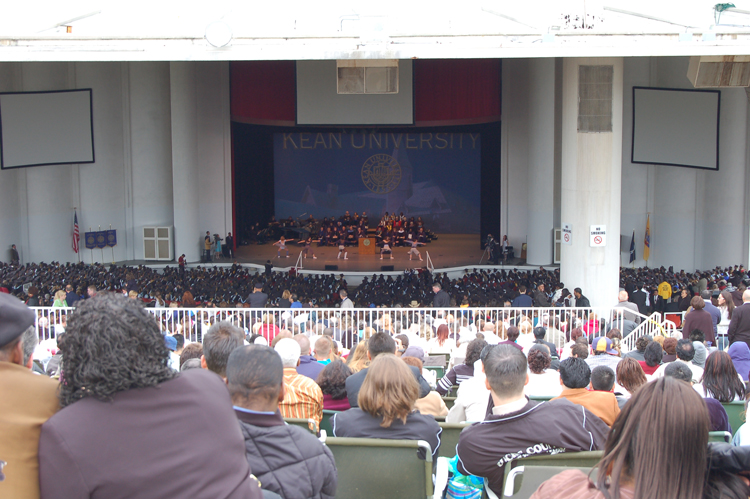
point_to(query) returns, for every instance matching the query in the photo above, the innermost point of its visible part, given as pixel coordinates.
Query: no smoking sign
(598, 236)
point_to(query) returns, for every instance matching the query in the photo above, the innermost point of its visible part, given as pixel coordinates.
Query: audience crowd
(116, 378)
(379, 389)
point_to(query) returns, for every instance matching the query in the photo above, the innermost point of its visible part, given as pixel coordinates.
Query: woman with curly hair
(543, 381)
(720, 379)
(332, 382)
(121, 403)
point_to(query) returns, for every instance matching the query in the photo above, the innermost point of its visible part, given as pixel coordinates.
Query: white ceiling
(337, 29)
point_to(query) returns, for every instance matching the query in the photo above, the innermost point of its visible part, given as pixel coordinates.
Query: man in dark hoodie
(517, 427)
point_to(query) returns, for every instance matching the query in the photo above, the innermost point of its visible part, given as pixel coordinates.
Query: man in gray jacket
(286, 459)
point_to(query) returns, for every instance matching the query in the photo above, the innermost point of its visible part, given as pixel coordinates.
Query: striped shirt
(455, 376)
(303, 398)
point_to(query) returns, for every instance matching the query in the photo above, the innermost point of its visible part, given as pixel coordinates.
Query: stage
(449, 250)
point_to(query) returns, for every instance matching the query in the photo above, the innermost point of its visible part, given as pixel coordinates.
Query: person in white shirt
(441, 344)
(685, 353)
(526, 338)
(489, 333)
(543, 381)
(472, 397)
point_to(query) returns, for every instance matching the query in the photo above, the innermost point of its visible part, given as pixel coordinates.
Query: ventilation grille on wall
(595, 98)
(719, 71)
(367, 77)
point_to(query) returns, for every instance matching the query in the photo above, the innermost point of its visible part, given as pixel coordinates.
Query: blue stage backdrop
(432, 175)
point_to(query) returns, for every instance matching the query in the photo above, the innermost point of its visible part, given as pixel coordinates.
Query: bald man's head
(304, 343)
(623, 296)
(746, 296)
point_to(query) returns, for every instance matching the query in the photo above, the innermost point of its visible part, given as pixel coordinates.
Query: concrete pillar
(185, 181)
(10, 197)
(590, 193)
(151, 148)
(541, 170)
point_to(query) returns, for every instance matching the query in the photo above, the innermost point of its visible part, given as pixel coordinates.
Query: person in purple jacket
(117, 434)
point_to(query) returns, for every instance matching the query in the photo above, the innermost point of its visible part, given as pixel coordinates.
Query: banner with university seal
(111, 237)
(435, 176)
(89, 239)
(101, 239)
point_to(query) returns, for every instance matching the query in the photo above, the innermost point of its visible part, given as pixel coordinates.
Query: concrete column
(591, 179)
(151, 148)
(514, 152)
(541, 170)
(10, 198)
(185, 181)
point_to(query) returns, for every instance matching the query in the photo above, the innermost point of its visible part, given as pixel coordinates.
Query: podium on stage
(367, 246)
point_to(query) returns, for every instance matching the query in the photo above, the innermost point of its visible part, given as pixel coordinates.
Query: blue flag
(632, 248)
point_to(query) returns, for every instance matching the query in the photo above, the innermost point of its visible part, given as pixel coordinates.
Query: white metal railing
(194, 322)
(652, 325)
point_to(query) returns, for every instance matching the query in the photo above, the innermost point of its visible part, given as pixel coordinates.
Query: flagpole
(92, 251)
(78, 253)
(101, 249)
(113, 248)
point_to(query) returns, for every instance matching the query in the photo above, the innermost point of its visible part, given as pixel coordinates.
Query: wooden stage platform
(449, 250)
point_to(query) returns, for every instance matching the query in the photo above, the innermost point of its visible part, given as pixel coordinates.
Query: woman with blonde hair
(60, 299)
(526, 337)
(386, 407)
(358, 358)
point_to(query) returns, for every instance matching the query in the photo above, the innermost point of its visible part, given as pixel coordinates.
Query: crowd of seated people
(247, 380)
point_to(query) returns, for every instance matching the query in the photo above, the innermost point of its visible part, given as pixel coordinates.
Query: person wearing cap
(604, 354)
(26, 400)
(575, 376)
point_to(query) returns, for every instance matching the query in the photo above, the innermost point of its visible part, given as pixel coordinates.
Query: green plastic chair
(325, 423)
(377, 468)
(308, 424)
(719, 436)
(439, 371)
(735, 413)
(449, 438)
(562, 461)
(449, 401)
(533, 476)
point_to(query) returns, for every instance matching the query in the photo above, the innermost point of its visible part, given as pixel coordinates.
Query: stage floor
(449, 250)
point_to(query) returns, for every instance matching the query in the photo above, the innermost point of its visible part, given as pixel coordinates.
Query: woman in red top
(332, 382)
(653, 355)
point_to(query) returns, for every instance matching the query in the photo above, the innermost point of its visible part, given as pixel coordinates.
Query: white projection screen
(676, 127)
(46, 128)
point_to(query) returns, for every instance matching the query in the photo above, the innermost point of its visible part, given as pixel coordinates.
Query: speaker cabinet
(332, 267)
(386, 268)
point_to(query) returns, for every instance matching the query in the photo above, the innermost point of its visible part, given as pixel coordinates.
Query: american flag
(76, 233)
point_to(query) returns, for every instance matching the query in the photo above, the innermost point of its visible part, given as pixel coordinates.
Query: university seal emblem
(381, 173)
